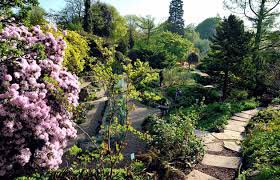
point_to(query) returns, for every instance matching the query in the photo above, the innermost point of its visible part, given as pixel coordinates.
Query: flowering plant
(36, 98)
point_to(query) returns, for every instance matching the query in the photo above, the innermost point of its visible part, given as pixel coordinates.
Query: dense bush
(175, 139)
(261, 147)
(190, 94)
(37, 96)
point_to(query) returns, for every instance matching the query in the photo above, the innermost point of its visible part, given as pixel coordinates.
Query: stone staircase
(222, 159)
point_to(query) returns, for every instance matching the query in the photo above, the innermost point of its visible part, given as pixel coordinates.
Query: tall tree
(147, 25)
(86, 24)
(262, 14)
(229, 49)
(175, 20)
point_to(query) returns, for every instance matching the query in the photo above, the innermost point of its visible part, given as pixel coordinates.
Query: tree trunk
(258, 37)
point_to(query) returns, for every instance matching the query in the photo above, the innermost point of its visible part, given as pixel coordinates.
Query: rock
(200, 134)
(221, 161)
(236, 118)
(197, 175)
(215, 147)
(236, 128)
(232, 146)
(228, 135)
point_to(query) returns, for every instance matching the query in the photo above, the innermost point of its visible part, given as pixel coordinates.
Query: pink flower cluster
(34, 124)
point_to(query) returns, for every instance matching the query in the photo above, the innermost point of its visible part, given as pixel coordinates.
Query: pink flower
(8, 77)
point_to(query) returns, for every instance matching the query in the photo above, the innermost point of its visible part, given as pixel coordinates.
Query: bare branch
(252, 9)
(273, 7)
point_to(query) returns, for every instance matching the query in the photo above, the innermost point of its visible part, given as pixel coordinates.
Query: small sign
(132, 156)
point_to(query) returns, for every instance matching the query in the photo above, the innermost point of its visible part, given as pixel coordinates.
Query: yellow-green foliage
(76, 52)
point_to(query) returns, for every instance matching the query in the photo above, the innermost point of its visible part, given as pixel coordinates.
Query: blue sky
(195, 10)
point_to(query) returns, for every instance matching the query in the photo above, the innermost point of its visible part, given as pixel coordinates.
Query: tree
(36, 16)
(23, 5)
(131, 21)
(105, 21)
(86, 24)
(147, 25)
(229, 50)
(262, 14)
(37, 96)
(207, 28)
(193, 58)
(175, 20)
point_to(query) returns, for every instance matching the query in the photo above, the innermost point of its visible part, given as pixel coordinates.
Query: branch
(252, 9)
(273, 7)
(249, 17)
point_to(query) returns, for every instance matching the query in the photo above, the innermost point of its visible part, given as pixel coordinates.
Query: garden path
(137, 117)
(222, 159)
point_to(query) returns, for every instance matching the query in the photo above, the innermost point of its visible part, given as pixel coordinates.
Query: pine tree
(229, 51)
(175, 20)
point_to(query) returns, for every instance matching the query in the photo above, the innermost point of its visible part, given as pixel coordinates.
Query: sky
(195, 10)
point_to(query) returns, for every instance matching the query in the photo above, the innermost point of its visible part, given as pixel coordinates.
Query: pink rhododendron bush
(37, 96)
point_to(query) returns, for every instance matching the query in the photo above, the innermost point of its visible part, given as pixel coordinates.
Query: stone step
(237, 123)
(209, 138)
(214, 147)
(221, 161)
(243, 115)
(197, 175)
(252, 112)
(236, 128)
(236, 118)
(232, 146)
(228, 135)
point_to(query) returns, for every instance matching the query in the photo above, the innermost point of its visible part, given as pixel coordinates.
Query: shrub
(37, 96)
(261, 146)
(175, 139)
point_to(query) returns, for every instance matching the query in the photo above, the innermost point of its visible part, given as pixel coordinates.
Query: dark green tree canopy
(207, 28)
(175, 20)
(229, 52)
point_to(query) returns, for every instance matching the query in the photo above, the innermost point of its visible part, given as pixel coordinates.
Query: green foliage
(24, 6)
(207, 28)
(163, 50)
(36, 16)
(175, 139)
(105, 21)
(229, 54)
(177, 76)
(213, 117)
(192, 93)
(261, 146)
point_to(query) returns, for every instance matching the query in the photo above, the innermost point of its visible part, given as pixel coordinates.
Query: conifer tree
(229, 51)
(175, 20)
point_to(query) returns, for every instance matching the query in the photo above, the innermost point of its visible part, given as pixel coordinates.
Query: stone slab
(214, 147)
(237, 123)
(221, 161)
(244, 115)
(200, 133)
(236, 128)
(232, 146)
(252, 112)
(209, 139)
(236, 118)
(197, 175)
(228, 135)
